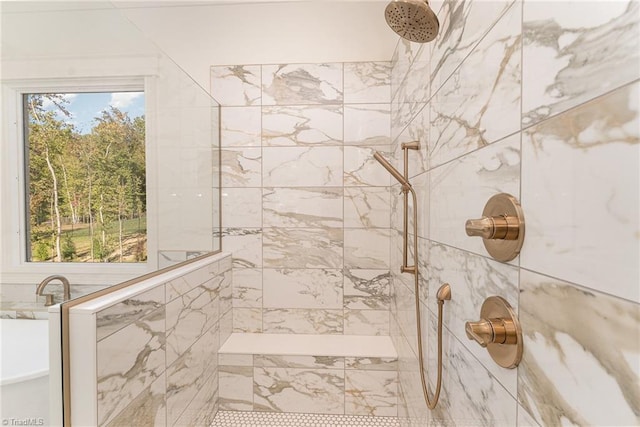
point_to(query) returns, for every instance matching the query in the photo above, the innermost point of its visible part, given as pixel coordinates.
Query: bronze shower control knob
(498, 331)
(501, 227)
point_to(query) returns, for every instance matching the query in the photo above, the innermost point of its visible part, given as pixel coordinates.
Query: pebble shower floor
(284, 419)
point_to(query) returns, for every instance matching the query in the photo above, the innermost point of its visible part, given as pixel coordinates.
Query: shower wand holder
(501, 227)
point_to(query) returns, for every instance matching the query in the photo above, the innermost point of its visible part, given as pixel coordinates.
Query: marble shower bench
(322, 374)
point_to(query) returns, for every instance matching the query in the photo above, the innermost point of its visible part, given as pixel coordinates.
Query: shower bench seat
(328, 374)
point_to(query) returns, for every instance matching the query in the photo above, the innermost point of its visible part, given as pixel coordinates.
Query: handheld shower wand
(443, 294)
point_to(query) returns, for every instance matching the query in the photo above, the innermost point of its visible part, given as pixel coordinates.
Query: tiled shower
(528, 98)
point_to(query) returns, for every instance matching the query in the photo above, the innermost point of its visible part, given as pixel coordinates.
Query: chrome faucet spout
(66, 289)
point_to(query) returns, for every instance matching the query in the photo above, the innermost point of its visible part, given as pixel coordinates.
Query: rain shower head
(393, 171)
(413, 20)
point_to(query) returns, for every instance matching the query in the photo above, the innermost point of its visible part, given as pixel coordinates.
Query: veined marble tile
(236, 85)
(417, 130)
(226, 325)
(302, 207)
(297, 84)
(584, 163)
(367, 124)
(367, 207)
(473, 278)
(366, 322)
(470, 395)
(147, 409)
(241, 167)
(247, 320)
(225, 293)
(480, 103)
(572, 57)
(525, 419)
(245, 244)
(302, 125)
(361, 169)
(235, 359)
(416, 87)
(188, 317)
(241, 126)
(313, 362)
(372, 363)
(203, 408)
(128, 311)
(128, 362)
(581, 354)
(312, 288)
(366, 248)
(303, 247)
(460, 190)
(366, 289)
(247, 288)
(241, 207)
(303, 321)
(190, 373)
(371, 393)
(366, 82)
(236, 388)
(299, 390)
(302, 167)
(462, 26)
(400, 64)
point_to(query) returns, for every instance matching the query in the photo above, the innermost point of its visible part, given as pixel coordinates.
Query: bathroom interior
(367, 213)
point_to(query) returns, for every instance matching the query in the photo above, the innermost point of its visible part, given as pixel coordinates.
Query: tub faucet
(65, 289)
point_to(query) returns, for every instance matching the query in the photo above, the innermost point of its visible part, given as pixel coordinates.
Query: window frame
(13, 253)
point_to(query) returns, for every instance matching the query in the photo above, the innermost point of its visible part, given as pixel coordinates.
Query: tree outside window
(86, 177)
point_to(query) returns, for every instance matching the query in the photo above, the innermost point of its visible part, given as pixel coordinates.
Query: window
(85, 177)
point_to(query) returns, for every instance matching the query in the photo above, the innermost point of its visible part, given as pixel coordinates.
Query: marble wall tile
(302, 207)
(480, 103)
(128, 362)
(302, 125)
(571, 57)
(303, 321)
(317, 362)
(366, 248)
(472, 278)
(236, 85)
(372, 393)
(302, 167)
(247, 287)
(204, 406)
(147, 409)
(367, 207)
(236, 388)
(128, 311)
(241, 167)
(241, 207)
(470, 395)
(302, 84)
(288, 390)
(460, 190)
(462, 25)
(309, 288)
(367, 124)
(367, 82)
(241, 126)
(192, 371)
(245, 244)
(189, 281)
(371, 363)
(581, 353)
(401, 63)
(367, 289)
(187, 319)
(361, 169)
(570, 155)
(225, 292)
(303, 248)
(235, 359)
(366, 322)
(247, 320)
(524, 419)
